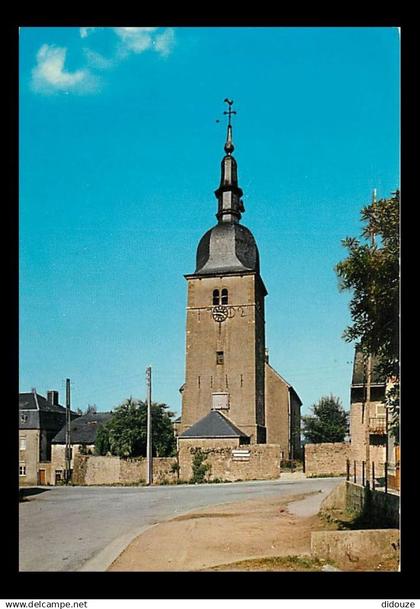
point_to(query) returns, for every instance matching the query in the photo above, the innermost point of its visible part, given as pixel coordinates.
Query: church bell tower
(225, 339)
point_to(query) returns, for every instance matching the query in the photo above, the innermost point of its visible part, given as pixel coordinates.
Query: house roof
(213, 425)
(83, 429)
(34, 401)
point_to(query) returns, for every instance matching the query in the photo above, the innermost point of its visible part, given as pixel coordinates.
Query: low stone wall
(165, 470)
(354, 546)
(326, 459)
(336, 499)
(93, 470)
(263, 463)
(132, 471)
(381, 508)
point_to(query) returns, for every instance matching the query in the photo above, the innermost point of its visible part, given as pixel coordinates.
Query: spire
(229, 194)
(229, 147)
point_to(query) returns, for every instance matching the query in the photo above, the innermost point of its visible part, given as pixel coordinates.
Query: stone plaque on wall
(220, 401)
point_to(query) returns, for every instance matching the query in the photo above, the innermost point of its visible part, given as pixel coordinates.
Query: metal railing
(377, 425)
(377, 476)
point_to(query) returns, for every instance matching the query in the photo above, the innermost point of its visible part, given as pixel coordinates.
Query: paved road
(86, 528)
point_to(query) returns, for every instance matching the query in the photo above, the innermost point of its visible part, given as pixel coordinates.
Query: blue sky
(119, 158)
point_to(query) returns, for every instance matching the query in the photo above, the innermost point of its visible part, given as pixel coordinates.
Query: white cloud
(98, 61)
(164, 43)
(49, 75)
(85, 31)
(135, 39)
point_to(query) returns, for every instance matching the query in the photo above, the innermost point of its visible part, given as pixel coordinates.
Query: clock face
(220, 313)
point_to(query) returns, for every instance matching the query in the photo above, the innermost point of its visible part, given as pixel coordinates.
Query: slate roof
(83, 429)
(45, 415)
(227, 248)
(213, 425)
(359, 373)
(27, 402)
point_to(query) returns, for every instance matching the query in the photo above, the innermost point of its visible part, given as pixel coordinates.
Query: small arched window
(225, 297)
(216, 297)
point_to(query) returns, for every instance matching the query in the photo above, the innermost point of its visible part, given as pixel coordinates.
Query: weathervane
(229, 112)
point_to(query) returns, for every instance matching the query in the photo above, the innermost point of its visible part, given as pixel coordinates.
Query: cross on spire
(229, 112)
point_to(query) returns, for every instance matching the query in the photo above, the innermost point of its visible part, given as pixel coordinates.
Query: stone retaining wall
(381, 508)
(354, 546)
(326, 459)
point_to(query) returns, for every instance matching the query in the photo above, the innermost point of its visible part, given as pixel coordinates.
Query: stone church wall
(239, 338)
(327, 458)
(263, 463)
(276, 410)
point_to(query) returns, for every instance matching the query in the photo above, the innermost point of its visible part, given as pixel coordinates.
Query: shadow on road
(28, 491)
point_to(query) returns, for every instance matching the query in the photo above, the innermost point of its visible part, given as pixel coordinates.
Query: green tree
(327, 423)
(102, 446)
(371, 272)
(125, 434)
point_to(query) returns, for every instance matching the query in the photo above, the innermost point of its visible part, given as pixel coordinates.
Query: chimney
(266, 356)
(52, 397)
(35, 397)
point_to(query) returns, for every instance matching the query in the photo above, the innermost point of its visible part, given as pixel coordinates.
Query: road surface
(86, 528)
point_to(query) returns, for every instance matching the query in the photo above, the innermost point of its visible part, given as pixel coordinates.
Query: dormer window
(216, 297)
(225, 296)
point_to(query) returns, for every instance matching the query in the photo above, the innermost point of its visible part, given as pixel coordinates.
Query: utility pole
(369, 376)
(68, 444)
(149, 457)
(367, 414)
(386, 447)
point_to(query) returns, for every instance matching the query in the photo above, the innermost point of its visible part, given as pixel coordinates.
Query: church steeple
(229, 194)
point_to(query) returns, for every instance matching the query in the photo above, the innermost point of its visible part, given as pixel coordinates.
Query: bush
(199, 468)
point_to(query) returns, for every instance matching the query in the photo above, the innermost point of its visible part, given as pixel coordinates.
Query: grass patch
(203, 515)
(325, 475)
(274, 563)
(346, 520)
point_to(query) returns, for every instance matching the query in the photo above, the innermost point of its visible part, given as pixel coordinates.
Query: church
(230, 391)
